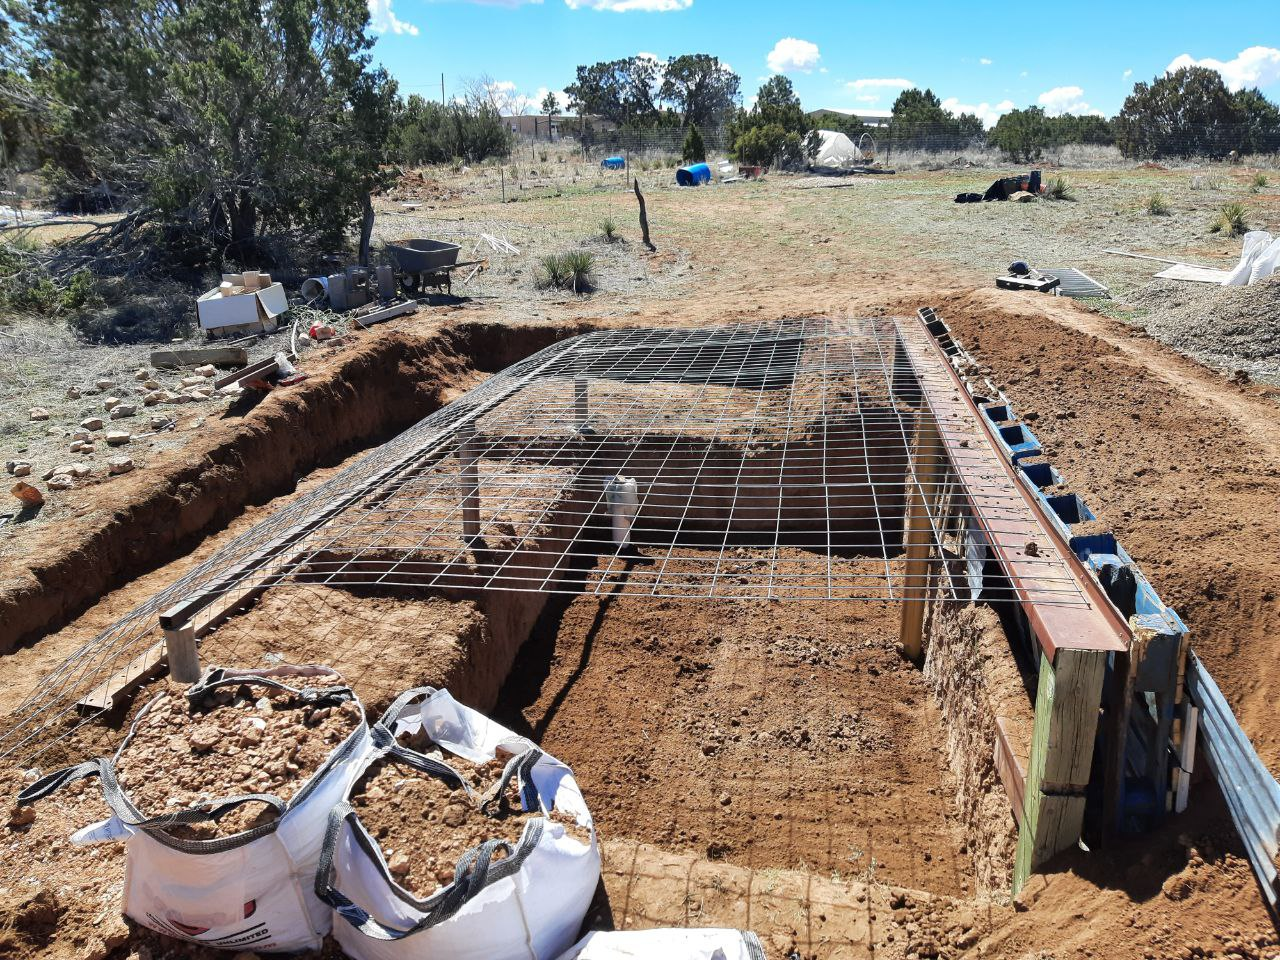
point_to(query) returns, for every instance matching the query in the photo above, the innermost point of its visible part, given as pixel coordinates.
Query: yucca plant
(1057, 188)
(578, 265)
(1158, 205)
(1232, 220)
(567, 271)
(552, 274)
(1258, 183)
(609, 230)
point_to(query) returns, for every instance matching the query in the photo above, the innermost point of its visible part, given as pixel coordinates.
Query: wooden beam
(925, 493)
(1012, 771)
(111, 692)
(259, 368)
(194, 357)
(1068, 697)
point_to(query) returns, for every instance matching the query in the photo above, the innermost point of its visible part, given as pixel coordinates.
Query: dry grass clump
(1231, 219)
(1058, 188)
(1158, 205)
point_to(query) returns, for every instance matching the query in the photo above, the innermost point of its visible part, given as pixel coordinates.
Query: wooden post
(930, 471)
(644, 218)
(1067, 700)
(184, 661)
(581, 409)
(468, 455)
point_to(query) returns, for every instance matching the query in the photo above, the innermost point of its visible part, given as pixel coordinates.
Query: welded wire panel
(777, 461)
(757, 455)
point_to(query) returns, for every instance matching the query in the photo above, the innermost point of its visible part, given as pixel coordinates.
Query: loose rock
(208, 370)
(73, 393)
(39, 413)
(110, 403)
(123, 410)
(116, 438)
(93, 423)
(61, 481)
(104, 384)
(29, 495)
(120, 464)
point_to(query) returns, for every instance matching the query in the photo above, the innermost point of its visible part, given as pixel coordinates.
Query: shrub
(1258, 183)
(695, 151)
(1232, 220)
(568, 271)
(1058, 188)
(609, 230)
(1158, 205)
(578, 265)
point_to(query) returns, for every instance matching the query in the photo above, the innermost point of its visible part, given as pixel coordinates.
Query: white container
(624, 503)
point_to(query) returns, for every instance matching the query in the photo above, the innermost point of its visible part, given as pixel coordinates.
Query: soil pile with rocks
(425, 824)
(244, 739)
(1230, 327)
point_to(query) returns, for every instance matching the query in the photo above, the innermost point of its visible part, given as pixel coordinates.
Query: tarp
(613, 163)
(837, 150)
(1259, 258)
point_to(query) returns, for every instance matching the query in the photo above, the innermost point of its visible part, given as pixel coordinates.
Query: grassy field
(788, 244)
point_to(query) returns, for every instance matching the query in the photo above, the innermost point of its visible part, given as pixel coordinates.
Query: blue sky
(1082, 57)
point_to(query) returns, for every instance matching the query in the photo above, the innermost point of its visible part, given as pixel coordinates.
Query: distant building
(872, 118)
(539, 126)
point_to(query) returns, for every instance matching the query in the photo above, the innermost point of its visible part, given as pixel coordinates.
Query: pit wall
(354, 398)
(712, 484)
(971, 670)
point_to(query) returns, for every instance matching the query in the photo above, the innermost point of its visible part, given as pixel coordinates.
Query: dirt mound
(1222, 326)
(414, 185)
(247, 741)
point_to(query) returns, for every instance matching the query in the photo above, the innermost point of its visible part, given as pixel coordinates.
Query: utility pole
(442, 89)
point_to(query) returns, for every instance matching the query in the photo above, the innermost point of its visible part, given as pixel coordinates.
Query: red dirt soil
(1184, 465)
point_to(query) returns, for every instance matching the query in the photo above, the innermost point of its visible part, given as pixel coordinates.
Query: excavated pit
(779, 744)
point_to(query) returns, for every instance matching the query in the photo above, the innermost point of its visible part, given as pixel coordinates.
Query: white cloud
(1061, 101)
(894, 83)
(867, 97)
(1252, 67)
(624, 6)
(985, 61)
(382, 19)
(1023, 73)
(1126, 75)
(983, 111)
(562, 99)
(791, 54)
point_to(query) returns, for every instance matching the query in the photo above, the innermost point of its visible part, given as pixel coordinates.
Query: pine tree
(695, 151)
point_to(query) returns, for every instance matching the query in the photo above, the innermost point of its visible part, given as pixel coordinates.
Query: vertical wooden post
(184, 661)
(581, 408)
(1068, 696)
(644, 217)
(469, 455)
(929, 472)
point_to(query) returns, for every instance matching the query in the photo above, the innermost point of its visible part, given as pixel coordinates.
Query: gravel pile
(1227, 327)
(247, 740)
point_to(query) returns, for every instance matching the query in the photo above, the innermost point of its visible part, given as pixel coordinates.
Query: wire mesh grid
(777, 461)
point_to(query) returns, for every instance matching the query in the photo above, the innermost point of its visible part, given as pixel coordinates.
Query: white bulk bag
(250, 891)
(1266, 262)
(673, 944)
(1255, 241)
(528, 905)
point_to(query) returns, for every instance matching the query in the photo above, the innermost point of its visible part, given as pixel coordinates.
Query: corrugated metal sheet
(1251, 792)
(1076, 283)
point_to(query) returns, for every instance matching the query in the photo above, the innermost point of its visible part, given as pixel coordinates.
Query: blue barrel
(613, 163)
(693, 175)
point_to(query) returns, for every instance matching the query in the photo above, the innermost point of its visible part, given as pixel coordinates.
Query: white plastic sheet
(1259, 258)
(667, 944)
